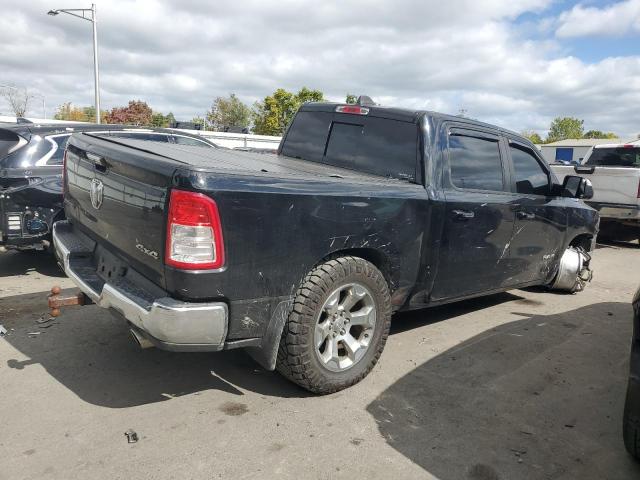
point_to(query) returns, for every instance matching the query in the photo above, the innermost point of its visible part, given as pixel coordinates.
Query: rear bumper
(617, 211)
(168, 323)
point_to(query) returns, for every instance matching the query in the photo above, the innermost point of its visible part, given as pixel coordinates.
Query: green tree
(599, 134)
(198, 121)
(563, 128)
(272, 115)
(159, 120)
(170, 120)
(67, 111)
(351, 99)
(90, 114)
(228, 112)
(533, 136)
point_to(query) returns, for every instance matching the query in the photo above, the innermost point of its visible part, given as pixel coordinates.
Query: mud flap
(267, 354)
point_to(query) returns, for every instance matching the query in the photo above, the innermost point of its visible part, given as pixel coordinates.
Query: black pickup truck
(301, 257)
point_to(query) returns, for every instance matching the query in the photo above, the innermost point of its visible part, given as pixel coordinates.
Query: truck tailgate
(120, 199)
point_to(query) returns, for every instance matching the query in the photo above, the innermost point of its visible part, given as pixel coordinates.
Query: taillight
(353, 109)
(194, 232)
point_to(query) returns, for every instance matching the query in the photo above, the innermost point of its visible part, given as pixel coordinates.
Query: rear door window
(531, 177)
(474, 162)
(615, 157)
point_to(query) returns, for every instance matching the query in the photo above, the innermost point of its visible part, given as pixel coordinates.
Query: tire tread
(293, 359)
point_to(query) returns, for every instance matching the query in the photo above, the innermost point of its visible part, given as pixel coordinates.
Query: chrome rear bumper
(168, 323)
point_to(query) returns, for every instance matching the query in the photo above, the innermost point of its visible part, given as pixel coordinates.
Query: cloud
(420, 54)
(613, 20)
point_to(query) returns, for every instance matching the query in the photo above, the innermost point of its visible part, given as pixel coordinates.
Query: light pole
(83, 14)
(44, 105)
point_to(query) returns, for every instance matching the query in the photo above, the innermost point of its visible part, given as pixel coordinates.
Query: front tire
(338, 326)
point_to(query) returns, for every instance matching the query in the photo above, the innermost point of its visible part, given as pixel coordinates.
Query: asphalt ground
(521, 385)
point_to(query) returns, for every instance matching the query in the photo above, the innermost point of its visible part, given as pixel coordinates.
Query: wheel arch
(584, 240)
(266, 354)
(378, 258)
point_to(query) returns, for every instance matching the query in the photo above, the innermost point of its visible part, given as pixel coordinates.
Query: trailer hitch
(57, 301)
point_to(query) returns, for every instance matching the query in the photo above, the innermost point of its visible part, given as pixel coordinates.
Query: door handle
(463, 214)
(525, 215)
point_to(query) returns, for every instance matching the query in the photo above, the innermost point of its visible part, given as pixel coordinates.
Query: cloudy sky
(516, 63)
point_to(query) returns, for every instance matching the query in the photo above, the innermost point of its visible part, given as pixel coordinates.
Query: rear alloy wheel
(338, 326)
(345, 327)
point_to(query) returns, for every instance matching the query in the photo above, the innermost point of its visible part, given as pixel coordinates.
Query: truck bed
(239, 162)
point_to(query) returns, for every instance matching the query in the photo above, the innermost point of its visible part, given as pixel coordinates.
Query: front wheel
(338, 326)
(573, 272)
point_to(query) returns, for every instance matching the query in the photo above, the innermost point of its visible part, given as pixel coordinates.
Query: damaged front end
(30, 202)
(573, 272)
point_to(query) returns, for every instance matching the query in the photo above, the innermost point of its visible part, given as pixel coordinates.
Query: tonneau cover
(239, 161)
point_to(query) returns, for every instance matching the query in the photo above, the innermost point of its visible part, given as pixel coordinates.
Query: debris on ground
(3, 331)
(34, 333)
(132, 436)
(42, 320)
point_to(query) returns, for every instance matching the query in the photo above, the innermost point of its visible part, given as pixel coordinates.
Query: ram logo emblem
(96, 192)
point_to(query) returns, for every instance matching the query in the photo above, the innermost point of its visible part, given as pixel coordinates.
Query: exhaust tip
(140, 339)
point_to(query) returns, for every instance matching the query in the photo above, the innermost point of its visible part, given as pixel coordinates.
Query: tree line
(563, 128)
(269, 116)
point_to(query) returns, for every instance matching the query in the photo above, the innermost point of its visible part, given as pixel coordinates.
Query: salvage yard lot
(525, 384)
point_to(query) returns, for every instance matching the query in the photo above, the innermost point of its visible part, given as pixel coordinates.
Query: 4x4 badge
(96, 193)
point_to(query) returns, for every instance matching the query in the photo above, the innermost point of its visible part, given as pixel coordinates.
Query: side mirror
(577, 187)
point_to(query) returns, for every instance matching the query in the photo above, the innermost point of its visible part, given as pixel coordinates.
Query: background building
(574, 149)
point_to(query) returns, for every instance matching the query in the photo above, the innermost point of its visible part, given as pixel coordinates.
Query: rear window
(615, 157)
(308, 135)
(9, 141)
(28, 156)
(58, 155)
(374, 145)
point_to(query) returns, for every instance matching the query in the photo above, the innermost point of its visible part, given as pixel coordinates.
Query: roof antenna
(365, 101)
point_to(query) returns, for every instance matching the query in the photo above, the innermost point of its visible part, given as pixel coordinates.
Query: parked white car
(614, 171)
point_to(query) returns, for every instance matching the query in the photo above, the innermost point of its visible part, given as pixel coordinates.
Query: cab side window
(475, 162)
(531, 178)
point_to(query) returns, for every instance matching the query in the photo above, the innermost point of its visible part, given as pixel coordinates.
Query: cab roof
(403, 114)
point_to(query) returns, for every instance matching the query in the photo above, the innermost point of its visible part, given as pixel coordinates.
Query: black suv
(31, 158)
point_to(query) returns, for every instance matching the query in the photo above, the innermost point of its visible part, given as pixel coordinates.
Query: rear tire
(338, 326)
